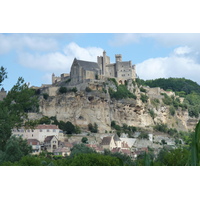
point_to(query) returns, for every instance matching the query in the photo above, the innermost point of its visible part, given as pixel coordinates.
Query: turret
(104, 62)
(118, 58)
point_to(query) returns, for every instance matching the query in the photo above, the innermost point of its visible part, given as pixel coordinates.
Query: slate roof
(49, 138)
(87, 65)
(106, 141)
(116, 138)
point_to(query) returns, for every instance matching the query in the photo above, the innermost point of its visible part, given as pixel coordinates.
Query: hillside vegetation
(182, 87)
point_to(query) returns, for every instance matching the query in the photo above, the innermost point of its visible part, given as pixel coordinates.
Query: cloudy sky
(36, 56)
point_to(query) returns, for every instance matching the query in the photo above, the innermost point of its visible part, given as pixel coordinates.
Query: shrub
(122, 92)
(161, 128)
(172, 110)
(93, 128)
(45, 96)
(62, 90)
(87, 89)
(144, 98)
(142, 89)
(152, 113)
(84, 140)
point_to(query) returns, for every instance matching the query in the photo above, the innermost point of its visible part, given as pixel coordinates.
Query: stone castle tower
(121, 70)
(86, 70)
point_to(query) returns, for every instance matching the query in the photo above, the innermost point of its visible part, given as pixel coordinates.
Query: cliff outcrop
(96, 106)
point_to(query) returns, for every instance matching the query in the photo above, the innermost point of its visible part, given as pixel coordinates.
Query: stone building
(40, 132)
(2, 94)
(84, 71)
(121, 70)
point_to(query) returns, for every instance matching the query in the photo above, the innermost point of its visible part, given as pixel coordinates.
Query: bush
(161, 128)
(143, 136)
(87, 89)
(143, 90)
(45, 96)
(122, 92)
(93, 128)
(172, 110)
(62, 90)
(152, 113)
(144, 98)
(84, 140)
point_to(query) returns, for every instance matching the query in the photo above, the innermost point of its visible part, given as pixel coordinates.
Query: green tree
(62, 90)
(84, 140)
(3, 74)
(15, 149)
(80, 148)
(14, 109)
(94, 159)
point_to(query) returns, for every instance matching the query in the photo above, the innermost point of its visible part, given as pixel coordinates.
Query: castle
(82, 71)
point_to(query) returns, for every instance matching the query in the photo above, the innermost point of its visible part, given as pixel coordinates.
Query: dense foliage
(13, 114)
(182, 87)
(121, 93)
(175, 84)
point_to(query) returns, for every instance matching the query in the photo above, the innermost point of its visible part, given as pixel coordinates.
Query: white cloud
(182, 50)
(31, 41)
(59, 62)
(178, 64)
(46, 62)
(88, 53)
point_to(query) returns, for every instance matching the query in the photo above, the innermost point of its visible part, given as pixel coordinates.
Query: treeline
(183, 85)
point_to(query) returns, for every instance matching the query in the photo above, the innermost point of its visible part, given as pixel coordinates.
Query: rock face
(83, 107)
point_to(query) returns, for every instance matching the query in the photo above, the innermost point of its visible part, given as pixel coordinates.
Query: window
(40, 130)
(47, 130)
(54, 130)
(32, 135)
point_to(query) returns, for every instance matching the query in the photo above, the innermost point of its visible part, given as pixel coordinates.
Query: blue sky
(36, 56)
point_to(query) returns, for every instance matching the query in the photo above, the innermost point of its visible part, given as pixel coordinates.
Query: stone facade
(2, 94)
(82, 71)
(121, 70)
(39, 133)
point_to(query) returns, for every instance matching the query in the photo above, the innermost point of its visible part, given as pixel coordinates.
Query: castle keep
(82, 71)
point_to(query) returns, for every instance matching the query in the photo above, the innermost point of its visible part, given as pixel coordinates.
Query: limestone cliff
(82, 108)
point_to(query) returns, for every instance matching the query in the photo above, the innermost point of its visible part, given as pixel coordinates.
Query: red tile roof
(33, 142)
(116, 149)
(47, 126)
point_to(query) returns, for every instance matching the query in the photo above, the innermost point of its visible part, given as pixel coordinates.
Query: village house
(36, 147)
(114, 143)
(40, 132)
(50, 143)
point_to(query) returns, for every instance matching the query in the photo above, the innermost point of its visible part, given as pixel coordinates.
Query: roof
(49, 138)
(61, 149)
(47, 126)
(115, 150)
(116, 138)
(65, 144)
(126, 151)
(33, 141)
(87, 65)
(106, 141)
